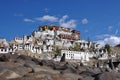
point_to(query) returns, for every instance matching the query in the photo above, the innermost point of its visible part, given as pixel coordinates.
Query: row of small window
(69, 55)
(19, 38)
(5, 49)
(74, 52)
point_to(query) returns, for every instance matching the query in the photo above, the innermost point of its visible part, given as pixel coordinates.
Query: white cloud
(28, 20)
(112, 40)
(84, 21)
(71, 23)
(63, 22)
(101, 42)
(48, 18)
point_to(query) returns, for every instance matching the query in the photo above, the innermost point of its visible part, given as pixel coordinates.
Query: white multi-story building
(46, 38)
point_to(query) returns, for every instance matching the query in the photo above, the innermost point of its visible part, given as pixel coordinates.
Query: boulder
(70, 69)
(19, 62)
(31, 78)
(22, 70)
(23, 57)
(74, 69)
(87, 73)
(72, 76)
(8, 57)
(4, 57)
(81, 69)
(58, 77)
(36, 61)
(66, 71)
(35, 68)
(8, 65)
(3, 78)
(9, 74)
(106, 76)
(87, 78)
(41, 76)
(57, 67)
(94, 70)
(117, 75)
(49, 63)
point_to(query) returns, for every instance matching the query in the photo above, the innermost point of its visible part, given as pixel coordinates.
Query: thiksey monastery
(50, 39)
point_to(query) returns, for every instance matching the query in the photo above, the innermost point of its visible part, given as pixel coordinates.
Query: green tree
(92, 47)
(107, 47)
(57, 51)
(88, 41)
(76, 47)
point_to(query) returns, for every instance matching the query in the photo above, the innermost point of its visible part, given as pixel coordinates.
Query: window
(67, 55)
(1, 49)
(5, 50)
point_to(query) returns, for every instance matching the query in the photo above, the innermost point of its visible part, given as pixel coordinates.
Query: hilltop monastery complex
(50, 39)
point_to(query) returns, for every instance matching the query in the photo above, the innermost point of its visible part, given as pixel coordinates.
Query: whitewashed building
(27, 39)
(4, 50)
(19, 40)
(76, 55)
(3, 42)
(84, 56)
(86, 44)
(46, 38)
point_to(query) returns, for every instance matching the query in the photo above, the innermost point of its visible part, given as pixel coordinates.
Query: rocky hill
(117, 45)
(21, 67)
(116, 49)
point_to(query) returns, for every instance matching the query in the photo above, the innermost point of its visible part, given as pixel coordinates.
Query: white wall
(19, 40)
(37, 34)
(39, 43)
(49, 42)
(28, 40)
(63, 32)
(3, 50)
(82, 56)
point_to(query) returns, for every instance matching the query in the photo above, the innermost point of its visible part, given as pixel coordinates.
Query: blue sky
(98, 19)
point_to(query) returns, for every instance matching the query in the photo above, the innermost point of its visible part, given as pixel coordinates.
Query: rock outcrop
(21, 67)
